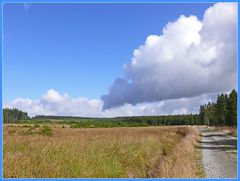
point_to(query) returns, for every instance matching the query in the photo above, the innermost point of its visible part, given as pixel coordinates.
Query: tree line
(222, 112)
(138, 121)
(14, 115)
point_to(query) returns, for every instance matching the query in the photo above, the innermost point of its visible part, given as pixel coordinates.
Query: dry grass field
(58, 151)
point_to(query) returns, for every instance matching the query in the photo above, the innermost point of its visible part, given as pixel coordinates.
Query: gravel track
(219, 153)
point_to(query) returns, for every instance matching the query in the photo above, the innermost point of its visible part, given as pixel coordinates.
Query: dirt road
(219, 153)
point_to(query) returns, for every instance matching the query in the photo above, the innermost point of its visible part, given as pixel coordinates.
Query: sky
(106, 60)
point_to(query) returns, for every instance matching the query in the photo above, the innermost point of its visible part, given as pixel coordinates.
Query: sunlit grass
(96, 152)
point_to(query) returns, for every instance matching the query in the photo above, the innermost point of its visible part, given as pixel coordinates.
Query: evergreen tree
(221, 109)
(12, 115)
(232, 108)
(201, 114)
(224, 112)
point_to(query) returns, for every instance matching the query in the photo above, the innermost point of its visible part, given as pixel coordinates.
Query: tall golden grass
(100, 152)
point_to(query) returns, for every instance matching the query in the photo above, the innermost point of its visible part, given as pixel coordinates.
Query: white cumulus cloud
(191, 57)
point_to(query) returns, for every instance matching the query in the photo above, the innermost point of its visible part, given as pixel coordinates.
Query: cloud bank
(54, 103)
(191, 57)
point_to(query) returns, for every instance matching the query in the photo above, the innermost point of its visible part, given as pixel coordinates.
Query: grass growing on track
(98, 152)
(232, 131)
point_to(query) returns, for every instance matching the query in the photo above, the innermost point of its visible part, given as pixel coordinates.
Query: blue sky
(77, 48)
(108, 60)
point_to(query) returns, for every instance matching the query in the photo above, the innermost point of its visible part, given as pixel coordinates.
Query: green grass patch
(37, 129)
(47, 130)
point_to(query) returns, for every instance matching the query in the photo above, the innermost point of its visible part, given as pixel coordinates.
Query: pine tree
(221, 109)
(232, 108)
(201, 115)
(12, 115)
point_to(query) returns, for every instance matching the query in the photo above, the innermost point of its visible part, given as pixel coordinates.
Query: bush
(47, 130)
